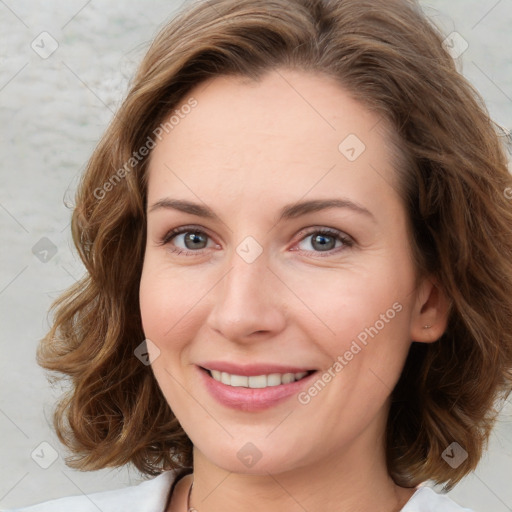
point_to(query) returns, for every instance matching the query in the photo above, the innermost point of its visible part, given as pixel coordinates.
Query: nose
(249, 302)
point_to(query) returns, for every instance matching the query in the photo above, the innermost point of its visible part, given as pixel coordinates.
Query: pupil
(321, 240)
(194, 238)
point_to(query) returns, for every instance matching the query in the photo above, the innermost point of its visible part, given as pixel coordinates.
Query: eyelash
(347, 242)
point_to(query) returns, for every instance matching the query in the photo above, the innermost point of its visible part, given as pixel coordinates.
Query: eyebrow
(287, 212)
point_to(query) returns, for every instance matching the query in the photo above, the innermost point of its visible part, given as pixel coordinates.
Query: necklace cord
(189, 508)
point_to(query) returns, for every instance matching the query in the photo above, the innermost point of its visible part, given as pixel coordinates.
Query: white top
(151, 496)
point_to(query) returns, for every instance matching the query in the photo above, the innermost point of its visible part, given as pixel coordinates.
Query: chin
(256, 458)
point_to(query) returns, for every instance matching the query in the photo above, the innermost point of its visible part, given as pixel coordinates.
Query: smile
(256, 381)
(252, 393)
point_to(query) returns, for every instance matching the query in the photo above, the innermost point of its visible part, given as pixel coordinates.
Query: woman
(332, 350)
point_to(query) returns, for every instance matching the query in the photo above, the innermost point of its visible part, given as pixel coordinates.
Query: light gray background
(53, 111)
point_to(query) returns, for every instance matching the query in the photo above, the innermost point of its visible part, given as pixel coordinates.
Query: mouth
(254, 393)
(256, 381)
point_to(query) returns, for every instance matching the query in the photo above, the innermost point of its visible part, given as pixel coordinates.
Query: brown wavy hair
(453, 179)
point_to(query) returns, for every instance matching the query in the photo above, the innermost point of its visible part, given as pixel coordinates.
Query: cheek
(338, 305)
(154, 301)
(167, 301)
(359, 317)
(164, 320)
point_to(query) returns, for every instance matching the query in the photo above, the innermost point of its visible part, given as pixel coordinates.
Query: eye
(194, 240)
(324, 240)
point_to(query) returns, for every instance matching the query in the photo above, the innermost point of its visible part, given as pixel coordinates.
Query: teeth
(274, 379)
(287, 378)
(256, 381)
(238, 380)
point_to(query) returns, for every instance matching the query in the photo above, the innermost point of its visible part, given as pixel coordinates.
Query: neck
(354, 480)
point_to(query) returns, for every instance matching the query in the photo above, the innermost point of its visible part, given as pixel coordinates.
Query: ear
(429, 317)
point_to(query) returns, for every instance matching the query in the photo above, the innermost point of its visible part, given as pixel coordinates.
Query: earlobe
(431, 310)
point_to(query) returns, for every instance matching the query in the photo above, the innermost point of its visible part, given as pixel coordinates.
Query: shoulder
(426, 499)
(148, 496)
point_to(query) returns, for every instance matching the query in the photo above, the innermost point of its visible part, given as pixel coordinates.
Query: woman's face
(270, 276)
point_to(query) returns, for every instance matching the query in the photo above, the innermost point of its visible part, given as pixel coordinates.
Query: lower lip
(252, 399)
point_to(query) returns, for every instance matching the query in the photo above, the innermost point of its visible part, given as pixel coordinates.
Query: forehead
(289, 129)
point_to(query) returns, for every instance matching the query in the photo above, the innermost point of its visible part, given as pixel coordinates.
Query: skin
(245, 151)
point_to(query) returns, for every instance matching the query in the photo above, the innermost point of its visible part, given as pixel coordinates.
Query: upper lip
(252, 369)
